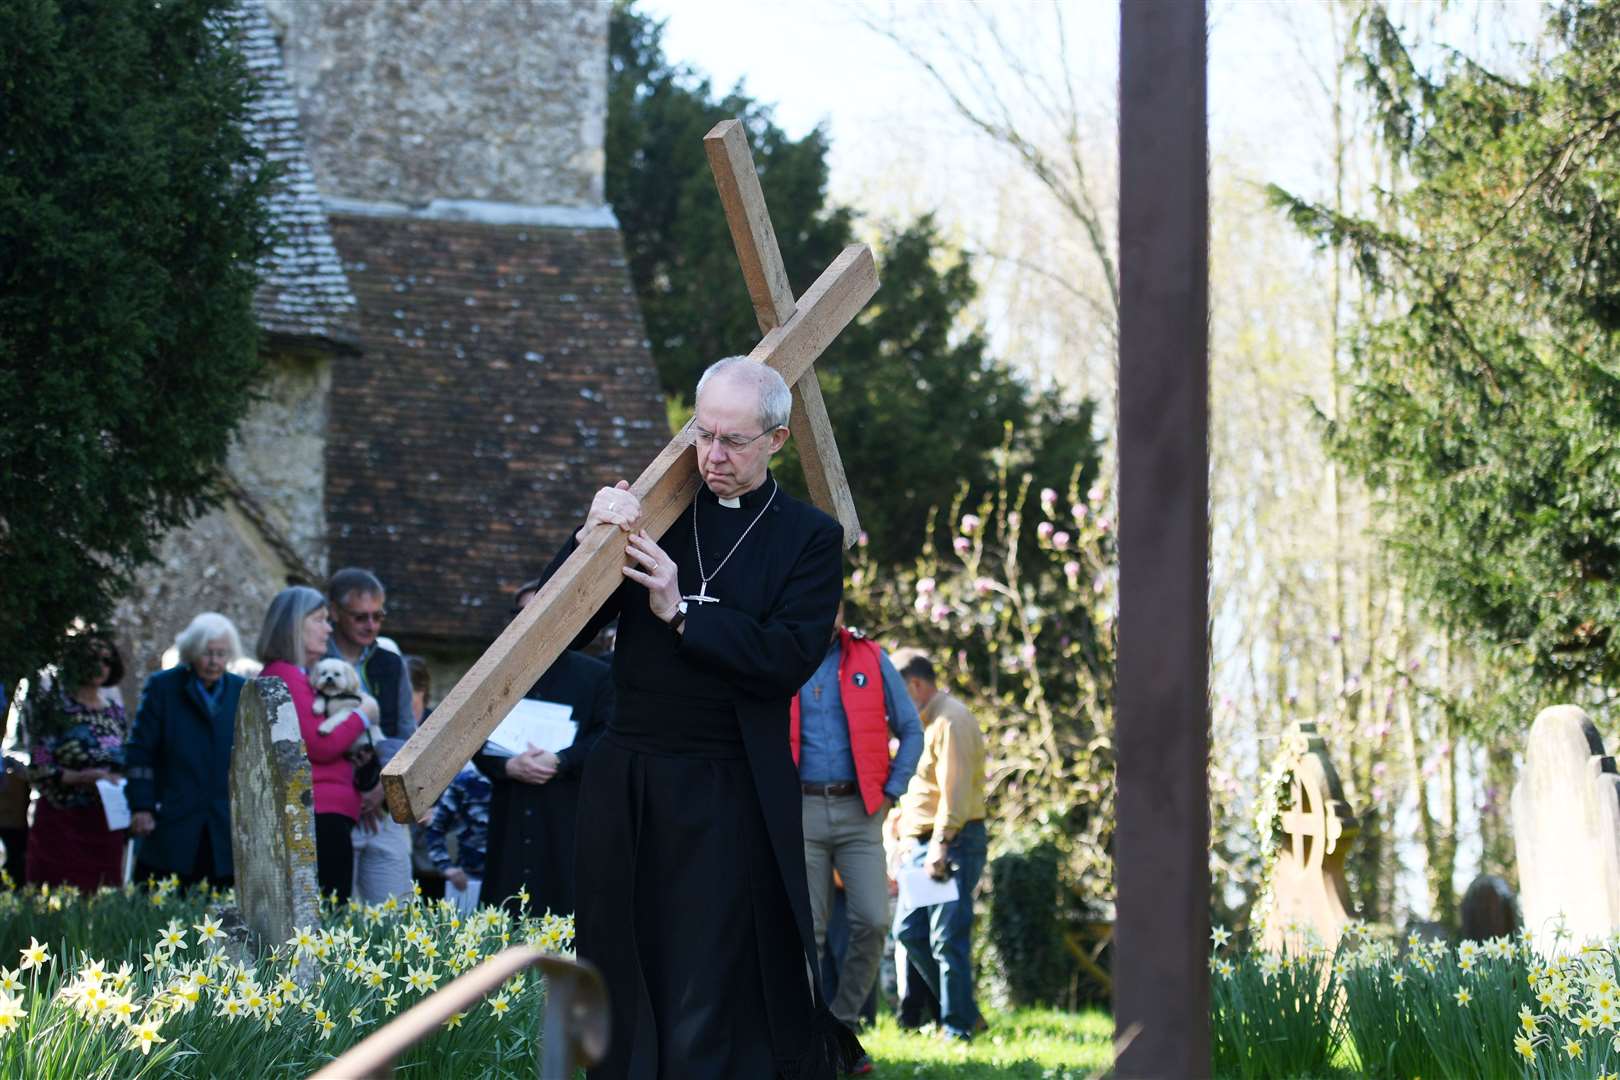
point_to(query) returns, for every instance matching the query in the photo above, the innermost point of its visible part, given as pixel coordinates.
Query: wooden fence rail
(574, 1030)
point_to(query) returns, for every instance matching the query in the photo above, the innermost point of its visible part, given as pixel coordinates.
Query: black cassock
(692, 897)
(532, 826)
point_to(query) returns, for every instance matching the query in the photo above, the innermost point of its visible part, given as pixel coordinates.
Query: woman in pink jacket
(292, 640)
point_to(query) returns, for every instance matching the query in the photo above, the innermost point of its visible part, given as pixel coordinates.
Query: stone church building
(456, 358)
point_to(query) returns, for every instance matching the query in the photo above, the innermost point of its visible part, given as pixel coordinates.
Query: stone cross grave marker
(1309, 895)
(796, 332)
(1566, 827)
(272, 816)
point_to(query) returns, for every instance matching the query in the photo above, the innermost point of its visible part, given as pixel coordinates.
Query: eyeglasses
(732, 443)
(222, 655)
(367, 616)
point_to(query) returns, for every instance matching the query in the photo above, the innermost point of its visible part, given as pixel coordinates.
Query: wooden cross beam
(1161, 838)
(796, 333)
(768, 288)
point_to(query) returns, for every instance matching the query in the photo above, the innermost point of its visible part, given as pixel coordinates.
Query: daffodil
(1524, 1047)
(35, 956)
(455, 1020)
(1573, 1050)
(9, 983)
(1463, 997)
(499, 1004)
(11, 1011)
(209, 930)
(146, 1035)
(1397, 978)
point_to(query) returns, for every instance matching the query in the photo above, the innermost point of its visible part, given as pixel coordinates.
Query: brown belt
(842, 787)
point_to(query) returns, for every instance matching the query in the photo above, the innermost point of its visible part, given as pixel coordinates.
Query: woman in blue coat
(178, 759)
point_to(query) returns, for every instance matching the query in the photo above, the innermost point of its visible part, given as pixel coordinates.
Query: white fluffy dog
(337, 694)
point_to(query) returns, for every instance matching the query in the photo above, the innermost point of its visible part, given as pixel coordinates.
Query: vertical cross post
(1161, 981)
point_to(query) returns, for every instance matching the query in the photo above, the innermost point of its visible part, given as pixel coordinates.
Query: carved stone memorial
(1566, 827)
(1310, 901)
(272, 816)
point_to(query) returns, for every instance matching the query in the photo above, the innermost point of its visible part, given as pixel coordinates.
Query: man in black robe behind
(534, 796)
(691, 889)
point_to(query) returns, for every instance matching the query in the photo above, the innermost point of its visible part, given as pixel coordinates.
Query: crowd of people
(669, 825)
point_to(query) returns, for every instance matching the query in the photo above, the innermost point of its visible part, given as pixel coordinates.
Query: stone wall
(237, 557)
(413, 100)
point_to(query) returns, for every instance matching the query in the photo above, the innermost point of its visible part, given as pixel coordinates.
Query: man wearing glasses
(382, 846)
(691, 890)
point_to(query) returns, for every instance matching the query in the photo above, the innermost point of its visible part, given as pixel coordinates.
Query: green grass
(1029, 1044)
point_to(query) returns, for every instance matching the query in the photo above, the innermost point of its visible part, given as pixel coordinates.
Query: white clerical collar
(731, 503)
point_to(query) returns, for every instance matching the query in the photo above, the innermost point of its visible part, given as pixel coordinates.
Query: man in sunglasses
(382, 846)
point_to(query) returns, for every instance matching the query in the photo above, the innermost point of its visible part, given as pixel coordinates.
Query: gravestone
(1566, 827)
(1310, 900)
(272, 817)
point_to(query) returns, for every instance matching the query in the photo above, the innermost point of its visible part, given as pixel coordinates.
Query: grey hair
(191, 641)
(775, 399)
(282, 636)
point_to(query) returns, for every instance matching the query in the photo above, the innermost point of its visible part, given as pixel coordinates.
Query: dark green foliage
(1486, 373)
(131, 216)
(1027, 926)
(918, 404)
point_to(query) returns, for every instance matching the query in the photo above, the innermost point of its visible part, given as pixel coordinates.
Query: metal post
(1161, 978)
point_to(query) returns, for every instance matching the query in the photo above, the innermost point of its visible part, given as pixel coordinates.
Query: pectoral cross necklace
(704, 576)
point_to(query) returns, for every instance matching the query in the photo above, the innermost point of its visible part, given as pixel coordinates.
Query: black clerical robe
(532, 826)
(691, 889)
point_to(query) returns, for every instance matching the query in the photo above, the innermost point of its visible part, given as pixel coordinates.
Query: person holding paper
(939, 830)
(462, 811)
(75, 734)
(534, 801)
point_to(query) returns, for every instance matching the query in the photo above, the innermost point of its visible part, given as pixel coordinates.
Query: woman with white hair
(179, 759)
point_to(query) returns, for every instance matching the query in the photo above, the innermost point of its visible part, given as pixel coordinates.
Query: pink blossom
(961, 545)
(1044, 530)
(1060, 540)
(1014, 519)
(970, 524)
(921, 605)
(1094, 496)
(1104, 524)
(1028, 654)
(941, 613)
(1099, 584)
(1072, 569)
(862, 539)
(1078, 512)
(983, 586)
(925, 586)
(1048, 499)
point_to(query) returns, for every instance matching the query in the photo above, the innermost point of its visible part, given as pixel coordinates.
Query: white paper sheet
(466, 900)
(917, 889)
(114, 803)
(546, 724)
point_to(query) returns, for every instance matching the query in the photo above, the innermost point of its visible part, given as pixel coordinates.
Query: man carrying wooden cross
(691, 882)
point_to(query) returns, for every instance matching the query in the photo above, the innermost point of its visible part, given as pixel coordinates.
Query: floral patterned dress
(69, 842)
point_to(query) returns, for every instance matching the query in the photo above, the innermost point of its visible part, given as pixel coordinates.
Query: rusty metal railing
(573, 1031)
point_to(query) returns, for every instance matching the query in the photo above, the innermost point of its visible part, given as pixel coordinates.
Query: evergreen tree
(1486, 388)
(131, 216)
(919, 406)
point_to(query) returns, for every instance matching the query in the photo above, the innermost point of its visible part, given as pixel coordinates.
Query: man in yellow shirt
(939, 825)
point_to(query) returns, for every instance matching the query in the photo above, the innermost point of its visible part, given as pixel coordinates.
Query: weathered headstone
(272, 816)
(1566, 827)
(1310, 901)
(1489, 909)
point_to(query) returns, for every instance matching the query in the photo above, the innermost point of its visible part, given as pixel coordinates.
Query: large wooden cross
(795, 334)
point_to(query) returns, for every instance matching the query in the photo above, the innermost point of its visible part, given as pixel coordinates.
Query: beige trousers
(840, 835)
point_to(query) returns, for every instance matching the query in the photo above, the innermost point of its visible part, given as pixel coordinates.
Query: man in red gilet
(842, 721)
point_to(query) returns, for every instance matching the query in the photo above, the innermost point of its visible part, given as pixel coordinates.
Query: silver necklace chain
(698, 548)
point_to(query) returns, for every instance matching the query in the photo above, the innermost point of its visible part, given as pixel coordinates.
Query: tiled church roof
(504, 376)
(303, 291)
